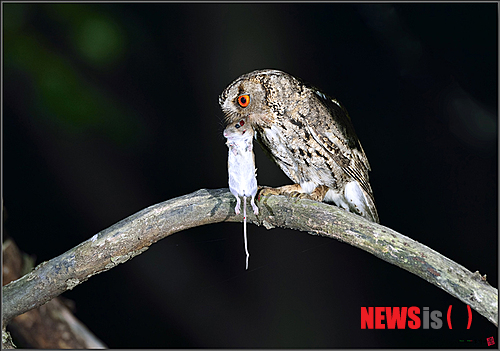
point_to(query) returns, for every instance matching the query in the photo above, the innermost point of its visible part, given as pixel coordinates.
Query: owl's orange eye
(243, 100)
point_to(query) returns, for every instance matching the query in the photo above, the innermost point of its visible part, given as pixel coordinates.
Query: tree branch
(133, 235)
(53, 325)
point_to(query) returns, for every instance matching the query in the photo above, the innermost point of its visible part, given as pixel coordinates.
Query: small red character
(490, 341)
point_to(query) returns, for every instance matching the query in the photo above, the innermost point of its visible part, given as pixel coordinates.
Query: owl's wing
(337, 136)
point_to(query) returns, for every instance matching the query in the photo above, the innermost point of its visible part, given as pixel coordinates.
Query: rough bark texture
(51, 326)
(133, 235)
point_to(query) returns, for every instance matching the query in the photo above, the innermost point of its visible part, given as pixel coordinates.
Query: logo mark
(490, 341)
(402, 317)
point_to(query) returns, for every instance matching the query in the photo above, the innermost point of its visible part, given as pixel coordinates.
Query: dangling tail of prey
(245, 229)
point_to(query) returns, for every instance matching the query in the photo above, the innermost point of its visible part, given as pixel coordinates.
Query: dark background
(111, 108)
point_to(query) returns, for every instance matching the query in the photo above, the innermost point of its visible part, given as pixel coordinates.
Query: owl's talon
(266, 191)
(306, 196)
(295, 194)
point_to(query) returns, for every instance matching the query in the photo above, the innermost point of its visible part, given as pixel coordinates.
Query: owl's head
(253, 96)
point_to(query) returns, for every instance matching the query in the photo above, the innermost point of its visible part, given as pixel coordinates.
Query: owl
(307, 134)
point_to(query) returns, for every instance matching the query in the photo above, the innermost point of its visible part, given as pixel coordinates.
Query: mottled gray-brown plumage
(309, 135)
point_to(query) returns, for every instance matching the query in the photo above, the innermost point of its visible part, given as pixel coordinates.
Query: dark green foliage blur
(64, 96)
